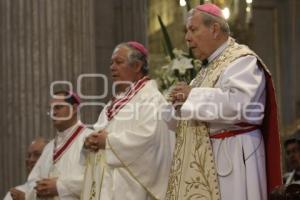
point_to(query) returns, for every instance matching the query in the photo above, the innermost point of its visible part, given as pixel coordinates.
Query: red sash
(271, 136)
(117, 104)
(57, 153)
(231, 133)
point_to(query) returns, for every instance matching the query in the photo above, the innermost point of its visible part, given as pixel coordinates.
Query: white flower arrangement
(181, 63)
(180, 68)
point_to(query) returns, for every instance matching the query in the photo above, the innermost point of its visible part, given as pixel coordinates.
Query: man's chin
(28, 169)
(115, 78)
(56, 122)
(196, 54)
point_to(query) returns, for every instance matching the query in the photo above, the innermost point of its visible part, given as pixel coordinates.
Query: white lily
(182, 64)
(178, 53)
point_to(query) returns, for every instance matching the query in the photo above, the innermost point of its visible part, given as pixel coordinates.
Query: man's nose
(53, 112)
(187, 37)
(112, 67)
(30, 159)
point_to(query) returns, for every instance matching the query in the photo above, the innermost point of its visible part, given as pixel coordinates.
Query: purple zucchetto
(138, 46)
(75, 96)
(210, 9)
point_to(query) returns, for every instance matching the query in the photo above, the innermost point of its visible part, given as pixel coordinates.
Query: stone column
(117, 21)
(41, 41)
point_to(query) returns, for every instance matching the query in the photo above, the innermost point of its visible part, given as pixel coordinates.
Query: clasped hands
(179, 94)
(17, 194)
(95, 141)
(46, 188)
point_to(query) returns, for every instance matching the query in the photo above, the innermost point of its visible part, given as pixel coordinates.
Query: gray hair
(209, 19)
(135, 55)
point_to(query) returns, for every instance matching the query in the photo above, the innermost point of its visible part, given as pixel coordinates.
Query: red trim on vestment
(57, 153)
(118, 104)
(232, 133)
(271, 136)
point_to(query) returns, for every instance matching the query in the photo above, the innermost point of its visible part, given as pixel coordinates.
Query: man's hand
(180, 93)
(17, 194)
(46, 187)
(96, 141)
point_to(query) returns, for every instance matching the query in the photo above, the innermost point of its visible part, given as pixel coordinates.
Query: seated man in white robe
(59, 172)
(34, 151)
(291, 188)
(292, 149)
(135, 143)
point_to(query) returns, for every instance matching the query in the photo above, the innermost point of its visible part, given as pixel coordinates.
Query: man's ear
(137, 66)
(75, 108)
(215, 29)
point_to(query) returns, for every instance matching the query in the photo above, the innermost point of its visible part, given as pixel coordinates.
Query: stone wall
(42, 41)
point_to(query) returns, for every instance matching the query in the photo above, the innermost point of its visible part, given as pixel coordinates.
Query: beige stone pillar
(41, 41)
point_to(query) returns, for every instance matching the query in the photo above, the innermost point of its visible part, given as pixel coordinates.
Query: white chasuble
(138, 150)
(93, 177)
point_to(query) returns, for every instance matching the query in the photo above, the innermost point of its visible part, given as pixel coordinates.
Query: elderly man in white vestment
(220, 150)
(136, 144)
(59, 172)
(34, 151)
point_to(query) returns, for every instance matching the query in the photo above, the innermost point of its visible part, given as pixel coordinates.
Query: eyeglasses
(57, 107)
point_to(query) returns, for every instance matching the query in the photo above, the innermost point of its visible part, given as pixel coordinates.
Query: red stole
(117, 104)
(58, 152)
(271, 137)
